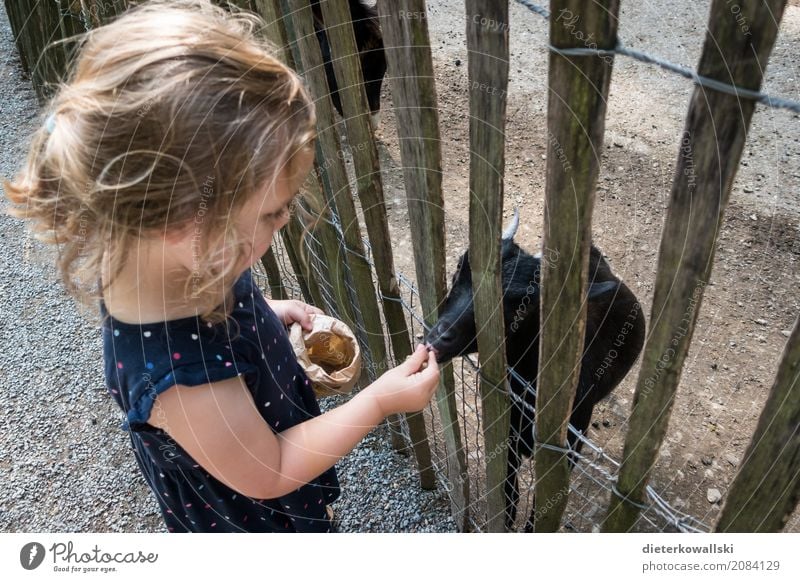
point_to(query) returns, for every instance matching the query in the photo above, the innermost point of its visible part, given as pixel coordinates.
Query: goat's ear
(601, 288)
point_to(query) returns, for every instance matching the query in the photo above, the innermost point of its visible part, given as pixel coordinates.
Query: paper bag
(329, 354)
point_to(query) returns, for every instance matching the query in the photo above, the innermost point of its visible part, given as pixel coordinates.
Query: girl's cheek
(261, 249)
(283, 222)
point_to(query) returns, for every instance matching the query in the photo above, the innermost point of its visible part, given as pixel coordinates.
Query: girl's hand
(408, 387)
(290, 311)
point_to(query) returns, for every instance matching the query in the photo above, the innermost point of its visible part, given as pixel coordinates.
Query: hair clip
(50, 123)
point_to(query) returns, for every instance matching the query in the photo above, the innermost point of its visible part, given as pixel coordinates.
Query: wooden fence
(365, 292)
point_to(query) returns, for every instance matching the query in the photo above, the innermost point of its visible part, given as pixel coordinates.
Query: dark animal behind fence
(369, 42)
(615, 330)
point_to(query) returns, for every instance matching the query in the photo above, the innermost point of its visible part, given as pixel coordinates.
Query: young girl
(165, 167)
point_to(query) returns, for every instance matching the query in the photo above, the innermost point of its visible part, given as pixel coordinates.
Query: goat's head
(454, 334)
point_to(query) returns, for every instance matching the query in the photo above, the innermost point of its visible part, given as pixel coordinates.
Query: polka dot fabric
(142, 361)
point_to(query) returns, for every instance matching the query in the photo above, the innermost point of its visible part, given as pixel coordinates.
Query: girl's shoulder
(186, 340)
(144, 360)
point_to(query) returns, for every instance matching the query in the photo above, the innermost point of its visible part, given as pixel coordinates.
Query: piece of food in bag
(328, 353)
(330, 350)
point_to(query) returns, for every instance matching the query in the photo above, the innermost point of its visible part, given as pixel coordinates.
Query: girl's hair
(172, 116)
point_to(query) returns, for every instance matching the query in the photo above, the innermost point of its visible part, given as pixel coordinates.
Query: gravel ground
(64, 463)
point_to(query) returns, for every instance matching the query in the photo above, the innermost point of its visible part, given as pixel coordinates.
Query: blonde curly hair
(173, 114)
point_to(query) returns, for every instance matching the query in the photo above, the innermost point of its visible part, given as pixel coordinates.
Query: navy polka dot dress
(142, 361)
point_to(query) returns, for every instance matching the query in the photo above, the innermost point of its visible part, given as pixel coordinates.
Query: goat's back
(615, 332)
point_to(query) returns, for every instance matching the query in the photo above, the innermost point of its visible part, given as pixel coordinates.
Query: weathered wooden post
(280, 32)
(244, 4)
(767, 488)
(97, 12)
(712, 143)
(350, 80)
(270, 263)
(408, 54)
(337, 187)
(38, 27)
(576, 112)
(275, 32)
(487, 43)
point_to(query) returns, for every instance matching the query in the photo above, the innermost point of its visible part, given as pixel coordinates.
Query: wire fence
(594, 475)
(708, 83)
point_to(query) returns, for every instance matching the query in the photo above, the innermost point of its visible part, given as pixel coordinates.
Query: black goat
(615, 329)
(369, 42)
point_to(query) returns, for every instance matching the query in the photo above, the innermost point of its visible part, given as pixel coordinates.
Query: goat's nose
(443, 339)
(442, 333)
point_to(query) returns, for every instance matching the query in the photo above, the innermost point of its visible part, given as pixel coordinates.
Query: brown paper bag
(329, 354)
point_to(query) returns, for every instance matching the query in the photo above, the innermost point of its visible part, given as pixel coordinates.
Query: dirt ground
(750, 304)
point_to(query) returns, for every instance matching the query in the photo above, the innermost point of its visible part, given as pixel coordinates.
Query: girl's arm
(219, 425)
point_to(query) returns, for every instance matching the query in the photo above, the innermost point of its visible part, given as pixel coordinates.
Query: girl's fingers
(302, 317)
(432, 370)
(433, 365)
(414, 361)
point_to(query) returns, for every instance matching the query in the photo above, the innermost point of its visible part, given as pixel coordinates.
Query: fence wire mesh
(594, 475)
(706, 82)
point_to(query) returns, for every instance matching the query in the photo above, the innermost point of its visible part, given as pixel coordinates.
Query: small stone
(714, 366)
(706, 461)
(606, 423)
(713, 495)
(753, 216)
(786, 332)
(748, 190)
(458, 62)
(595, 424)
(733, 460)
(761, 321)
